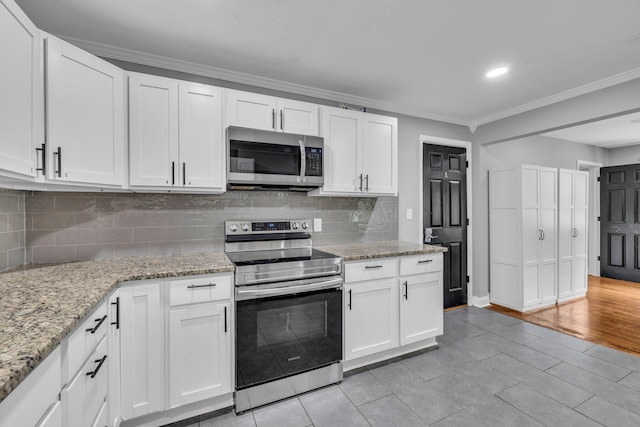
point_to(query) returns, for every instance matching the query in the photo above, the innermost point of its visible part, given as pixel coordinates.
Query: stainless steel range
(288, 300)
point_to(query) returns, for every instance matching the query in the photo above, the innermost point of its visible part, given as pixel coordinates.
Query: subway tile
(73, 236)
(10, 240)
(42, 221)
(9, 203)
(165, 219)
(40, 237)
(16, 222)
(131, 249)
(114, 235)
(75, 204)
(89, 252)
(3, 261)
(132, 219)
(45, 254)
(149, 234)
(15, 257)
(94, 220)
(39, 202)
(4, 222)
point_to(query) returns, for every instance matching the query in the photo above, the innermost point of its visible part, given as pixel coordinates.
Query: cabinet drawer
(380, 268)
(200, 289)
(419, 264)
(83, 341)
(86, 393)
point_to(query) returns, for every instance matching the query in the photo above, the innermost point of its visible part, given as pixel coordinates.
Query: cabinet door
(565, 233)
(371, 318)
(20, 115)
(250, 110)
(531, 235)
(153, 131)
(199, 353)
(298, 117)
(342, 131)
(201, 137)
(53, 417)
(421, 307)
(548, 244)
(380, 154)
(113, 410)
(142, 350)
(580, 224)
(85, 112)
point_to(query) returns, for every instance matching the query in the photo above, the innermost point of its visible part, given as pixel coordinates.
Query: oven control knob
(233, 228)
(294, 225)
(245, 227)
(305, 225)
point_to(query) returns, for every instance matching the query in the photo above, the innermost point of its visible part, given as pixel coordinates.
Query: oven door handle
(303, 161)
(245, 294)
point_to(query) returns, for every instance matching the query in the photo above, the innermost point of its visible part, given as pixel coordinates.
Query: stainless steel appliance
(288, 311)
(260, 159)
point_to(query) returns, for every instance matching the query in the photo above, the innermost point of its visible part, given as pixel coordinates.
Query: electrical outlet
(317, 224)
(409, 213)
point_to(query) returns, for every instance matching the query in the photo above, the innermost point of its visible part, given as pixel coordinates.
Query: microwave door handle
(303, 161)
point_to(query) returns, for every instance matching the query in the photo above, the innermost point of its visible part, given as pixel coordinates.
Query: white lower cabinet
(141, 349)
(371, 318)
(421, 309)
(391, 305)
(53, 417)
(83, 398)
(199, 352)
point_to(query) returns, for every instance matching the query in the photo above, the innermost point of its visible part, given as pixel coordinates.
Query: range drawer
(200, 289)
(418, 264)
(83, 341)
(374, 269)
(84, 396)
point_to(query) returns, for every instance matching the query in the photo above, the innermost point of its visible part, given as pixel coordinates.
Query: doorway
(593, 257)
(444, 215)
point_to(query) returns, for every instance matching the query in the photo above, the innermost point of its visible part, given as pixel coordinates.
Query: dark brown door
(444, 214)
(620, 222)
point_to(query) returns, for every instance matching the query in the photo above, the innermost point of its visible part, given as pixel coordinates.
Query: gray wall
(12, 234)
(624, 155)
(534, 150)
(82, 226)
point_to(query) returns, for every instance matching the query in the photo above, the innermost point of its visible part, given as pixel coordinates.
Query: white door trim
(594, 208)
(447, 142)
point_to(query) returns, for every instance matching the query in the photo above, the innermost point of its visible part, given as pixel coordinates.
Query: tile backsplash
(12, 234)
(82, 226)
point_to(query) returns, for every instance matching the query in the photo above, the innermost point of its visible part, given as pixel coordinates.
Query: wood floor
(609, 315)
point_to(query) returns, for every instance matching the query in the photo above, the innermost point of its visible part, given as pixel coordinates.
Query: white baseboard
(481, 301)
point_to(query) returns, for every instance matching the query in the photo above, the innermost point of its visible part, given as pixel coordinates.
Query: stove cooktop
(241, 259)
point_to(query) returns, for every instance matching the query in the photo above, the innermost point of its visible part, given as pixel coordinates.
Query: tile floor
(490, 369)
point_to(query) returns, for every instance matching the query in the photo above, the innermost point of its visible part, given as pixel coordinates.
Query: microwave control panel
(313, 161)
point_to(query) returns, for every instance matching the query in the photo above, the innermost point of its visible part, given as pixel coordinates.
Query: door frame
(447, 142)
(594, 207)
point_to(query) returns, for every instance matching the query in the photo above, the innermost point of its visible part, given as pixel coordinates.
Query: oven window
(257, 157)
(282, 336)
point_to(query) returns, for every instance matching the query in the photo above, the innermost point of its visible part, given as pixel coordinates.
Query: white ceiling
(610, 133)
(425, 58)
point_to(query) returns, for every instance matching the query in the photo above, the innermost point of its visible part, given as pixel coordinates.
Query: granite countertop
(41, 304)
(360, 251)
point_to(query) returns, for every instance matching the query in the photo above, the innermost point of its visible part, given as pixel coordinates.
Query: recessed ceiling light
(496, 72)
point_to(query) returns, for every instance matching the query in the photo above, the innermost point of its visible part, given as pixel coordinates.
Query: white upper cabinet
(176, 138)
(256, 111)
(361, 153)
(21, 114)
(85, 117)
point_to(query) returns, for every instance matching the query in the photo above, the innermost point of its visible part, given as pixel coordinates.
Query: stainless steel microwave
(260, 159)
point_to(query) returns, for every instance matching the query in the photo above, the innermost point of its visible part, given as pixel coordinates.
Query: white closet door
(548, 242)
(565, 234)
(530, 234)
(580, 224)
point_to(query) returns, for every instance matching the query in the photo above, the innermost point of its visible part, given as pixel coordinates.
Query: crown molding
(142, 58)
(561, 96)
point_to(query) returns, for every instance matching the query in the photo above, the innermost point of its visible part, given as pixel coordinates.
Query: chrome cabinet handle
(542, 232)
(370, 267)
(95, 328)
(208, 285)
(173, 173)
(406, 290)
(225, 319)
(366, 185)
(93, 373)
(422, 261)
(349, 300)
(360, 186)
(281, 119)
(184, 173)
(273, 118)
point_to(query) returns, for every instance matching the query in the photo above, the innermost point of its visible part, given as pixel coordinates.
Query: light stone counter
(40, 305)
(362, 251)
